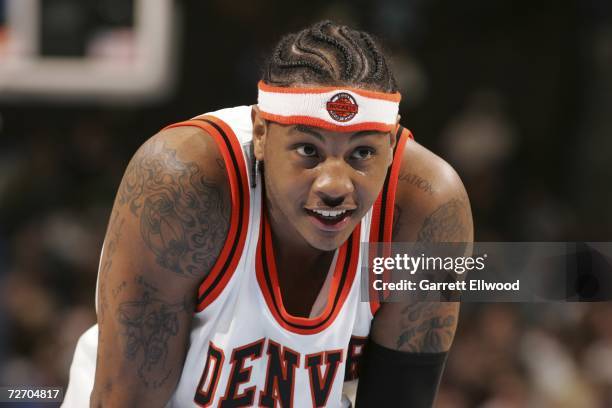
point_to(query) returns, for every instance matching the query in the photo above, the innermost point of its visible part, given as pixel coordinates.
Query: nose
(332, 201)
(333, 183)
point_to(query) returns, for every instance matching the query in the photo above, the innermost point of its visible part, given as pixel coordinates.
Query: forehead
(325, 135)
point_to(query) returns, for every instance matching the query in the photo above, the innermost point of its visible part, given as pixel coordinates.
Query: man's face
(319, 183)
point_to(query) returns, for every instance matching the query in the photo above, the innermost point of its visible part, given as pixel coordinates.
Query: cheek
(369, 193)
(370, 184)
(285, 185)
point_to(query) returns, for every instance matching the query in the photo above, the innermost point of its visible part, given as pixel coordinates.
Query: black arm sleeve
(390, 378)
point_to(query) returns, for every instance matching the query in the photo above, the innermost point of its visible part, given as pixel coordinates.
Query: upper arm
(431, 206)
(431, 202)
(168, 225)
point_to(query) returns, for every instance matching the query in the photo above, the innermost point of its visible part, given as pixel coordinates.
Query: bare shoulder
(177, 186)
(176, 151)
(431, 201)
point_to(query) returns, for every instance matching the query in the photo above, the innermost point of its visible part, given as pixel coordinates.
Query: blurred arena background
(516, 95)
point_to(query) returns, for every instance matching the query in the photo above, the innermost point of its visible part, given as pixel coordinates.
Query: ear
(260, 131)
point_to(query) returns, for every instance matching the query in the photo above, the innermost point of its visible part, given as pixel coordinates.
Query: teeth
(329, 213)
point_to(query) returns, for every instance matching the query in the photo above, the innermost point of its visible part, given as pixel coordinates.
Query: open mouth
(330, 217)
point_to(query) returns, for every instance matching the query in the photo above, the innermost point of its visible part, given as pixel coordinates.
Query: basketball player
(230, 270)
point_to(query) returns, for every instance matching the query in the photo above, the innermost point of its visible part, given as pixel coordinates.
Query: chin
(330, 243)
(325, 245)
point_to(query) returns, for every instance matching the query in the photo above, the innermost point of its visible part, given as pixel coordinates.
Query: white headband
(339, 109)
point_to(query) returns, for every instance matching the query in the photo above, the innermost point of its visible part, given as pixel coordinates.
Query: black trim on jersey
(345, 272)
(228, 260)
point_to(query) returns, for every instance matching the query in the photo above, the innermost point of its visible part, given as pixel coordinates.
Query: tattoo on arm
(397, 216)
(424, 329)
(220, 164)
(112, 240)
(148, 324)
(183, 216)
(417, 181)
(430, 326)
(445, 224)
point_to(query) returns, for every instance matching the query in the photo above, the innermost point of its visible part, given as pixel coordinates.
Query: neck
(293, 255)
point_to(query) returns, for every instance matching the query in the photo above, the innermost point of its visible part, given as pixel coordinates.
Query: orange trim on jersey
(342, 281)
(374, 233)
(230, 254)
(310, 121)
(385, 96)
(392, 187)
(381, 227)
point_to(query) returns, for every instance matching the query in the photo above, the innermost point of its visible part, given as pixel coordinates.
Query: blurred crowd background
(515, 94)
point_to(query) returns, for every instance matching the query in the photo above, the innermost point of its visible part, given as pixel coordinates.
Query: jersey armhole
(381, 226)
(227, 261)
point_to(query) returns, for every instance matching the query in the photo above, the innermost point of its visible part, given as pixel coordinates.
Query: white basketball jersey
(245, 349)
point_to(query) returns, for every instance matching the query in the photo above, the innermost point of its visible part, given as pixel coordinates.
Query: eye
(363, 153)
(306, 150)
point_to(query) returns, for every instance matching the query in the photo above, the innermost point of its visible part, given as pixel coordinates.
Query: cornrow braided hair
(329, 54)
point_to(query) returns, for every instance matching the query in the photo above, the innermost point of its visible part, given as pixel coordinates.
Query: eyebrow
(311, 131)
